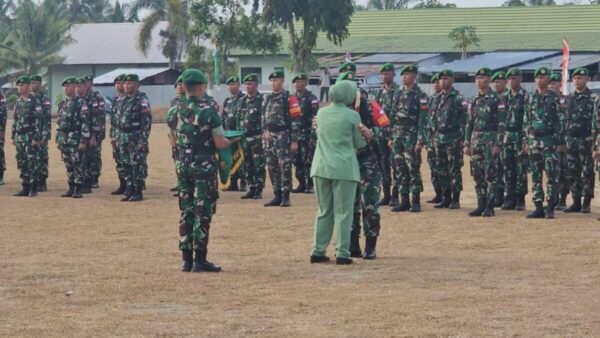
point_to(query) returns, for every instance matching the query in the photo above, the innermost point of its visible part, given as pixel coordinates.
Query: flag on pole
(565, 64)
(230, 159)
(348, 56)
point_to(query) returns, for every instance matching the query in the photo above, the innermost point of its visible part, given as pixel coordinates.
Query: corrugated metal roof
(496, 60)
(395, 58)
(143, 73)
(555, 62)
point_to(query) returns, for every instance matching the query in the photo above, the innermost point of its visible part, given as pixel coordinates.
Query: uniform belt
(277, 129)
(24, 130)
(514, 130)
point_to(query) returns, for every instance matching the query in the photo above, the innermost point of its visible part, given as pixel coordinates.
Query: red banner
(565, 65)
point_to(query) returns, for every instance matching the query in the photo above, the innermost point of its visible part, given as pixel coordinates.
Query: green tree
(541, 2)
(85, 11)
(122, 13)
(311, 16)
(388, 4)
(464, 37)
(513, 3)
(433, 4)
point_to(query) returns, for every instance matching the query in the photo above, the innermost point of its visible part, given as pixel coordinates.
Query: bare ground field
(100, 267)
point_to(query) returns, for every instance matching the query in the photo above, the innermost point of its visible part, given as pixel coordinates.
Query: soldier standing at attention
(581, 105)
(231, 121)
(428, 139)
(543, 139)
(563, 170)
(179, 96)
(199, 134)
(27, 130)
(36, 84)
(72, 135)
(483, 141)
(98, 120)
(281, 129)
(250, 122)
(309, 104)
(500, 83)
(115, 114)
(3, 117)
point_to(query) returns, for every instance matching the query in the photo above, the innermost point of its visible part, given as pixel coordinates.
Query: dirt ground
(100, 267)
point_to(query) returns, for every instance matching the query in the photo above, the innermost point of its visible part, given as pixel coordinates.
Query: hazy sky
(474, 3)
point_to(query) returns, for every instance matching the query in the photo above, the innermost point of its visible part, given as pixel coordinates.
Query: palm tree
(84, 11)
(464, 37)
(174, 37)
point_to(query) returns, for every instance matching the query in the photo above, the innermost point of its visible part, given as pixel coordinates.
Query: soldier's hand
(366, 132)
(314, 122)
(294, 147)
(1, 135)
(389, 144)
(418, 147)
(266, 136)
(495, 151)
(525, 149)
(561, 148)
(467, 150)
(35, 143)
(596, 156)
(58, 146)
(141, 147)
(93, 141)
(44, 142)
(82, 147)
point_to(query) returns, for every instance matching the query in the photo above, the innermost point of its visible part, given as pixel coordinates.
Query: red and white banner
(565, 65)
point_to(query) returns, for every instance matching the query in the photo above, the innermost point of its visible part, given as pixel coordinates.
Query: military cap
(499, 76)
(89, 78)
(178, 81)
(386, 67)
(69, 80)
(513, 72)
(581, 71)
(409, 69)
(251, 77)
(120, 78)
(542, 70)
(485, 71)
(80, 80)
(556, 77)
(446, 72)
(36, 77)
(132, 77)
(24, 79)
(300, 76)
(346, 76)
(278, 74)
(193, 76)
(435, 77)
(232, 79)
(347, 66)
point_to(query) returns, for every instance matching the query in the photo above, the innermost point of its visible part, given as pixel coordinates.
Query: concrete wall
(267, 65)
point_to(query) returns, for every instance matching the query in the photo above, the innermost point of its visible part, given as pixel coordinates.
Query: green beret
(513, 72)
(499, 76)
(346, 76)
(89, 78)
(446, 72)
(556, 77)
(24, 79)
(300, 76)
(409, 69)
(485, 71)
(69, 80)
(193, 76)
(278, 74)
(232, 79)
(251, 77)
(581, 71)
(386, 67)
(543, 70)
(36, 77)
(132, 77)
(347, 66)
(435, 77)
(119, 78)
(80, 80)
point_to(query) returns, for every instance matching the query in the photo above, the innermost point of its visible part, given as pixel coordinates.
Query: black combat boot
(575, 207)
(243, 186)
(285, 199)
(343, 261)
(562, 203)
(1, 177)
(276, 201)
(188, 260)
(455, 203)
(438, 196)
(386, 196)
(318, 259)
(549, 212)
(94, 183)
(481, 204)
(137, 196)
(510, 202)
(127, 194)
(446, 200)
(258, 194)
(404, 205)
(171, 190)
(498, 199)
(86, 187)
(394, 201)
(538, 212)
(33, 190)
(585, 208)
(122, 187)
(301, 188)
(520, 203)
(202, 265)
(42, 186)
(77, 191)
(489, 209)
(249, 194)
(310, 188)
(416, 203)
(24, 190)
(355, 250)
(69, 192)
(370, 246)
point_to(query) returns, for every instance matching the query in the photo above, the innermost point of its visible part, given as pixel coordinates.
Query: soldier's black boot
(489, 209)
(370, 246)
(249, 194)
(509, 202)
(562, 202)
(243, 187)
(258, 194)
(276, 201)
(285, 199)
(69, 192)
(455, 203)
(137, 196)
(77, 191)
(538, 212)
(24, 190)
(94, 183)
(301, 188)
(585, 208)
(549, 212)
(520, 203)
(404, 205)
(127, 194)
(310, 188)
(202, 265)
(386, 196)
(438, 196)
(446, 200)
(122, 187)
(1, 177)
(355, 250)
(188, 260)
(42, 186)
(394, 201)
(416, 203)
(33, 190)
(481, 204)
(498, 199)
(86, 187)
(575, 207)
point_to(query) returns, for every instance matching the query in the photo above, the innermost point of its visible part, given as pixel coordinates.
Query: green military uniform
(98, 130)
(174, 105)
(485, 130)
(115, 115)
(254, 154)
(427, 140)
(543, 131)
(27, 128)
(500, 185)
(3, 118)
(46, 133)
(563, 170)
(231, 121)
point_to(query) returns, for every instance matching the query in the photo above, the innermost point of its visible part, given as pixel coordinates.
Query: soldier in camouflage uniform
(114, 131)
(514, 161)
(134, 130)
(428, 139)
(82, 92)
(27, 130)
(199, 133)
(309, 104)
(500, 82)
(281, 129)
(36, 84)
(581, 106)
(3, 117)
(72, 135)
(174, 104)
(543, 138)
(98, 120)
(448, 133)
(407, 123)
(231, 121)
(563, 173)
(483, 141)
(250, 121)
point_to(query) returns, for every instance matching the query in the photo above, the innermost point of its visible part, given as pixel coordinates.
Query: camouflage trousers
(303, 159)
(72, 158)
(407, 163)
(449, 162)
(514, 163)
(44, 156)
(95, 154)
(2, 157)
(279, 161)
(580, 164)
(133, 161)
(389, 168)
(367, 197)
(116, 153)
(564, 186)
(28, 159)
(484, 168)
(543, 157)
(198, 195)
(254, 162)
(433, 170)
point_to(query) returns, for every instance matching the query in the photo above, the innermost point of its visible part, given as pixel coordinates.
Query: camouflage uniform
(500, 185)
(92, 104)
(115, 115)
(28, 126)
(73, 129)
(427, 139)
(46, 134)
(98, 120)
(309, 104)
(3, 117)
(231, 121)
(563, 169)
(254, 155)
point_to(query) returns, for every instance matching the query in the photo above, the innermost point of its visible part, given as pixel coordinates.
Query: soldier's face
(500, 85)
(555, 86)
(580, 81)
(276, 84)
(179, 89)
(81, 89)
(482, 82)
(387, 76)
(300, 85)
(35, 85)
(131, 87)
(251, 87)
(409, 78)
(436, 86)
(515, 82)
(23, 88)
(119, 86)
(69, 90)
(446, 82)
(541, 81)
(233, 87)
